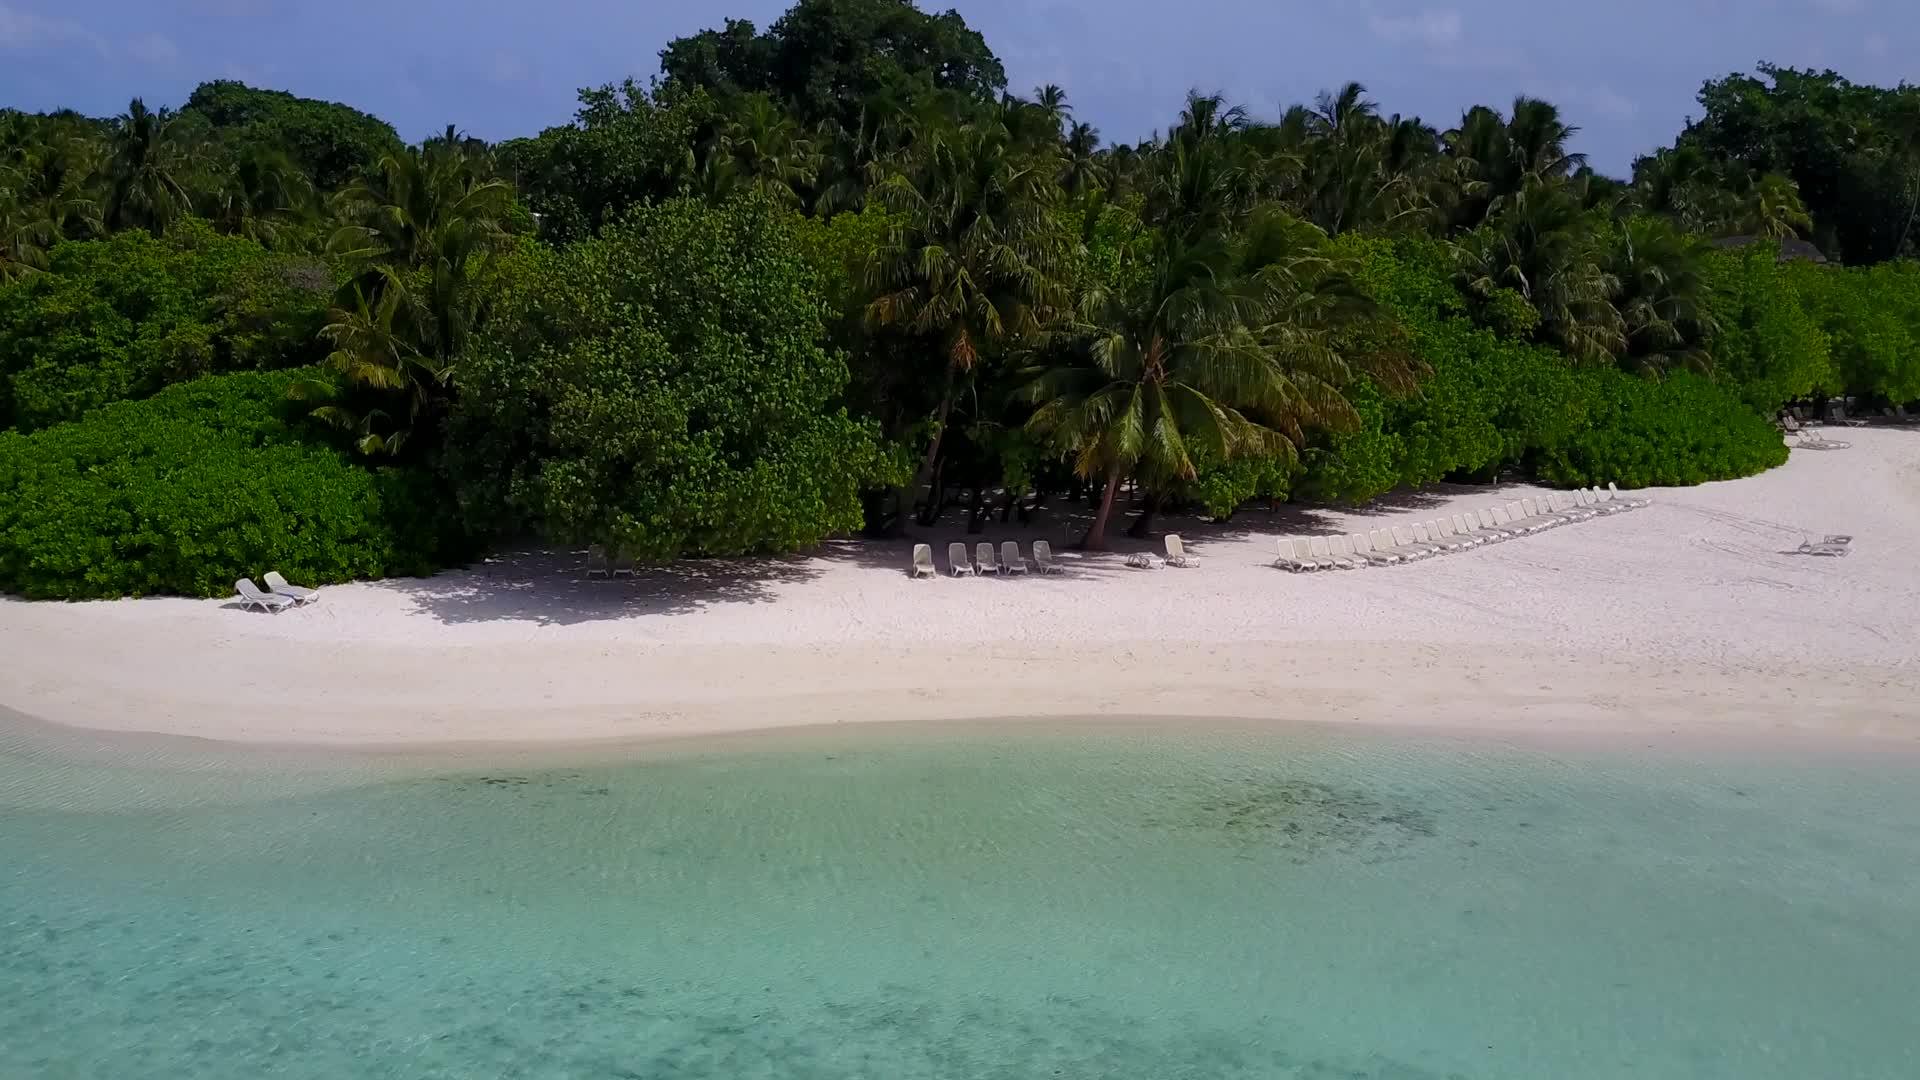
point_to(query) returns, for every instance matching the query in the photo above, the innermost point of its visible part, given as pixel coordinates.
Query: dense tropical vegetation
(834, 275)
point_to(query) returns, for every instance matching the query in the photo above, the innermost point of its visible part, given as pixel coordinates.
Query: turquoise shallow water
(1134, 901)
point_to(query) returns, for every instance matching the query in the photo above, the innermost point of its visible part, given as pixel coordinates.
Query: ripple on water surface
(1121, 901)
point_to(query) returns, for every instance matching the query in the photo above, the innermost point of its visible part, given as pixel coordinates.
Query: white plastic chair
(1177, 553)
(279, 587)
(983, 558)
(1043, 558)
(251, 596)
(1010, 558)
(923, 561)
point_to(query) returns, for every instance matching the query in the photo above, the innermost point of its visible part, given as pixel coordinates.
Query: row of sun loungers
(1810, 436)
(1445, 535)
(1010, 561)
(278, 596)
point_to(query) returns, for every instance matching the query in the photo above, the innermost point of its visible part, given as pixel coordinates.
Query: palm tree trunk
(925, 473)
(1143, 524)
(1096, 538)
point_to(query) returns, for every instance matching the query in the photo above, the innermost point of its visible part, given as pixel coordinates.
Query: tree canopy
(837, 274)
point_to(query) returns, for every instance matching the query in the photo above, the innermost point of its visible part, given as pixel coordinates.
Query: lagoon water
(1136, 900)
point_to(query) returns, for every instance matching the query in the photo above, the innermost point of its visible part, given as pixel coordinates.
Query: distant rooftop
(1790, 249)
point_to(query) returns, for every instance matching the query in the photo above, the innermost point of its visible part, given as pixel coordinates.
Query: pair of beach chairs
(601, 564)
(1010, 561)
(1831, 546)
(1177, 555)
(1810, 436)
(278, 595)
(1446, 535)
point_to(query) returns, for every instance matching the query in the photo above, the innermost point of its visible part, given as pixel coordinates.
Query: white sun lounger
(251, 596)
(1341, 548)
(597, 562)
(1597, 502)
(1832, 545)
(1495, 519)
(1322, 550)
(1536, 510)
(1043, 558)
(983, 558)
(1518, 518)
(1303, 554)
(1283, 555)
(1404, 542)
(957, 563)
(1442, 532)
(923, 561)
(279, 586)
(1177, 553)
(1010, 558)
(1614, 490)
(1363, 549)
(1464, 525)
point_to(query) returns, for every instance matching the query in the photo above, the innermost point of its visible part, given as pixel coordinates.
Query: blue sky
(1625, 71)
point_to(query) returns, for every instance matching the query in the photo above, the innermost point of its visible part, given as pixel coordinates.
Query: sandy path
(1691, 615)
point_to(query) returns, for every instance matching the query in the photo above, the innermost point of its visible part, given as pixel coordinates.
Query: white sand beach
(1690, 616)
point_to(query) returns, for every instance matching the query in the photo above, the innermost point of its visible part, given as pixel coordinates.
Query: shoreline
(1692, 616)
(1385, 687)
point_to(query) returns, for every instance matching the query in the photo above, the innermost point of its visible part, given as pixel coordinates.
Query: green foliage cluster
(120, 318)
(1679, 431)
(832, 60)
(1768, 346)
(1871, 318)
(668, 390)
(330, 142)
(1490, 402)
(197, 486)
(832, 272)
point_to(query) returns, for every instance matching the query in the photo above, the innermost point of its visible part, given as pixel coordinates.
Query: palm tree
(1052, 101)
(45, 197)
(1494, 157)
(760, 146)
(969, 264)
(260, 192)
(1227, 350)
(1659, 291)
(1082, 168)
(1200, 180)
(422, 227)
(1543, 245)
(1772, 208)
(143, 181)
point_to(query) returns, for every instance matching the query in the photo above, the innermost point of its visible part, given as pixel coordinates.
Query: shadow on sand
(530, 583)
(551, 587)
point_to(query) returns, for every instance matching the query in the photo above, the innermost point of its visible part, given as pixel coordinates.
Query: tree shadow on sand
(551, 587)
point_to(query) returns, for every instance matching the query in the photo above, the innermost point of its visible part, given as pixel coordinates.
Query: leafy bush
(666, 389)
(204, 483)
(1768, 346)
(1490, 402)
(120, 318)
(1871, 319)
(1679, 431)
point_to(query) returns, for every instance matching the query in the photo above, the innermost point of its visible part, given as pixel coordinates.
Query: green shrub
(1489, 402)
(666, 388)
(1871, 319)
(1678, 431)
(118, 319)
(204, 483)
(1769, 347)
